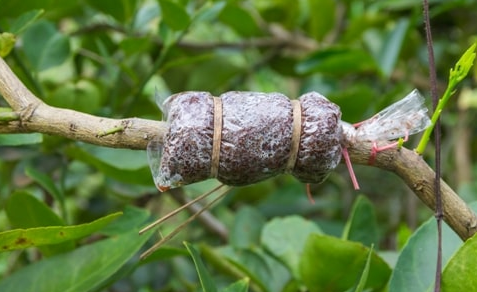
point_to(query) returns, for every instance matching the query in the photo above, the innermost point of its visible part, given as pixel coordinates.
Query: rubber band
(296, 133)
(217, 138)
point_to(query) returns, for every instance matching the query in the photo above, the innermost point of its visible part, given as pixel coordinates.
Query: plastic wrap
(320, 139)
(255, 140)
(405, 117)
(186, 153)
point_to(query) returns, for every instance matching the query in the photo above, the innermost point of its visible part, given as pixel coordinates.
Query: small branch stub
(111, 131)
(9, 116)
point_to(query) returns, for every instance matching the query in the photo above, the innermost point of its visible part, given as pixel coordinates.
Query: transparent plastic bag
(405, 117)
(255, 141)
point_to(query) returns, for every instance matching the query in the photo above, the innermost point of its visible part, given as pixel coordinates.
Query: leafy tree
(72, 159)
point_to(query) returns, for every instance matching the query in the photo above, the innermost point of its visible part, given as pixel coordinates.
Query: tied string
(296, 133)
(217, 138)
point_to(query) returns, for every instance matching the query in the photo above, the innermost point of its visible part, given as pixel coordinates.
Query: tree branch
(134, 133)
(419, 177)
(38, 117)
(277, 38)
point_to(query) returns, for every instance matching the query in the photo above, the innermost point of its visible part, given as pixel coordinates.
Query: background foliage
(107, 58)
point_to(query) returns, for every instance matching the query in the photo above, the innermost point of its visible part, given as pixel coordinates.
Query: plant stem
(457, 74)
(435, 116)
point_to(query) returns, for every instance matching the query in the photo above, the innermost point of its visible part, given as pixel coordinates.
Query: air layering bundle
(241, 138)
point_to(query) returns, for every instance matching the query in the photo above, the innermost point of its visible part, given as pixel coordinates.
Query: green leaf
(164, 253)
(121, 10)
(209, 11)
(206, 280)
(217, 258)
(44, 46)
(336, 61)
(47, 183)
(247, 227)
(83, 96)
(459, 273)
(80, 270)
(20, 139)
(462, 67)
(364, 276)
(7, 43)
(174, 15)
(354, 101)
(132, 46)
(239, 286)
(123, 159)
(403, 234)
(25, 20)
(55, 8)
(285, 239)
(415, 268)
(240, 20)
(332, 264)
(220, 66)
(322, 19)
(25, 211)
(39, 236)
(416, 265)
(132, 218)
(362, 224)
(167, 35)
(263, 269)
(121, 164)
(391, 47)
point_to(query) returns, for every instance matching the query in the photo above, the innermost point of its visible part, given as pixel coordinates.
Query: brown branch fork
(34, 116)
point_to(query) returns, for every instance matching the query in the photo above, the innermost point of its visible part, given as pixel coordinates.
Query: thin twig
(207, 219)
(184, 224)
(174, 212)
(437, 141)
(286, 39)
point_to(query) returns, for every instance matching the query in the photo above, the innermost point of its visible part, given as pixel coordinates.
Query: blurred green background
(108, 57)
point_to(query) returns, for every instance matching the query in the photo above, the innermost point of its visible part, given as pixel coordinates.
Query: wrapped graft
(255, 136)
(242, 138)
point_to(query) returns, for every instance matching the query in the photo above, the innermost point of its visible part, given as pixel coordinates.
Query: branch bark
(135, 133)
(419, 177)
(38, 117)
